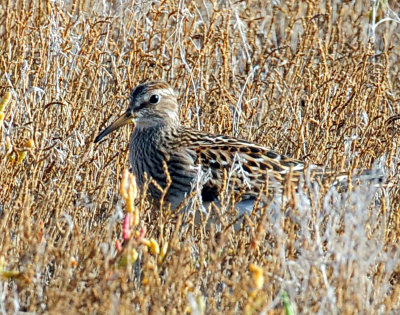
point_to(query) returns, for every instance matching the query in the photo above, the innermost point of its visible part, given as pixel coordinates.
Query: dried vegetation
(316, 80)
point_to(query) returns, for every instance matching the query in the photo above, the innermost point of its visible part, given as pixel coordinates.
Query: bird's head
(151, 104)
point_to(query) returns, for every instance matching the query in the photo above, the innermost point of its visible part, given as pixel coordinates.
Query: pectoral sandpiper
(160, 140)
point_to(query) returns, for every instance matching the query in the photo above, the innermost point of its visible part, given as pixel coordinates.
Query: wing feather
(247, 164)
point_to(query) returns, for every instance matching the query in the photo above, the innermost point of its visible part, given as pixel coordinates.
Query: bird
(176, 160)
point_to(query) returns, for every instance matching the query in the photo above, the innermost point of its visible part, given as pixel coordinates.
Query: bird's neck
(159, 122)
(154, 132)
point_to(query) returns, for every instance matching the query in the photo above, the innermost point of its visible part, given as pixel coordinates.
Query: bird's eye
(154, 99)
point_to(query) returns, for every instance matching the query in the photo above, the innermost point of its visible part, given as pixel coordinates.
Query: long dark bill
(124, 119)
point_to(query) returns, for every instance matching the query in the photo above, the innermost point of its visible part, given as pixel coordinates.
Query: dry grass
(314, 80)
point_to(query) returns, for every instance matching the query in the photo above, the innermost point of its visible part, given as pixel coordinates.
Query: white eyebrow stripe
(166, 92)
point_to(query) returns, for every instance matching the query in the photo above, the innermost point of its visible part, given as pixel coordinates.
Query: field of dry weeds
(317, 80)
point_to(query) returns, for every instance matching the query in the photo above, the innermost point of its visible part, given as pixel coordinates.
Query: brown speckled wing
(247, 165)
